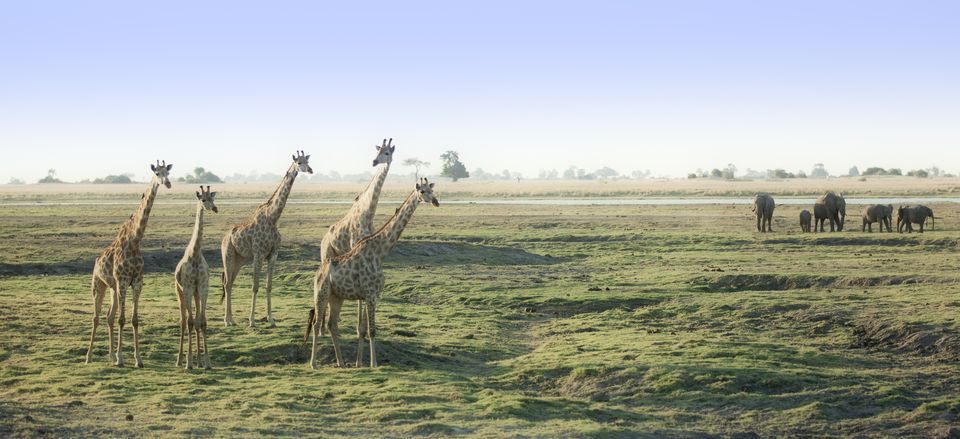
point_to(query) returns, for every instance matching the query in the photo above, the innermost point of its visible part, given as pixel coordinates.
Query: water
(792, 201)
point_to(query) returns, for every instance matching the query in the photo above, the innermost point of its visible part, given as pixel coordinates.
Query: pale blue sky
(91, 88)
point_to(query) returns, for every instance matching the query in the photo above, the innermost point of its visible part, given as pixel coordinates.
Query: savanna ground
(519, 320)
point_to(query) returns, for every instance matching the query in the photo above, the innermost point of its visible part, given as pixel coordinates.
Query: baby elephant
(877, 213)
(907, 216)
(805, 218)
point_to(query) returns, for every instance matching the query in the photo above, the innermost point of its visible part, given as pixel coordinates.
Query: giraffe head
(384, 152)
(302, 162)
(162, 172)
(206, 198)
(425, 194)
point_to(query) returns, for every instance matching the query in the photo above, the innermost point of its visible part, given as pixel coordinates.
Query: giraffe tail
(223, 286)
(311, 319)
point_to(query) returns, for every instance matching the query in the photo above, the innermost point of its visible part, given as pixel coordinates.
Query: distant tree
(639, 175)
(570, 173)
(730, 172)
(51, 177)
(801, 174)
(894, 171)
(933, 171)
(452, 166)
(874, 170)
(114, 179)
(750, 173)
(692, 175)
(417, 164)
(15, 180)
(582, 174)
(819, 171)
(716, 173)
(201, 175)
(780, 173)
(922, 173)
(853, 172)
(505, 174)
(480, 174)
(606, 172)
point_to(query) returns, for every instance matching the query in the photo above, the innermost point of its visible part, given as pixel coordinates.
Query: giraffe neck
(367, 203)
(278, 201)
(390, 233)
(195, 245)
(143, 212)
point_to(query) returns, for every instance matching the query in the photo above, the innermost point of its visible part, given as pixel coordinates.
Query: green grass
(507, 321)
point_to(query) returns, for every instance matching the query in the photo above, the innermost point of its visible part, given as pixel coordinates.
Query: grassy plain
(522, 320)
(397, 188)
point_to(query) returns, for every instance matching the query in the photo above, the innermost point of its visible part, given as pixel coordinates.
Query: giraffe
(257, 240)
(358, 275)
(358, 222)
(121, 266)
(191, 279)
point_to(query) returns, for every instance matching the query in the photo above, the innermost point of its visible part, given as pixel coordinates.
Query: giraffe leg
(99, 288)
(178, 289)
(137, 287)
(190, 324)
(201, 347)
(202, 321)
(256, 288)
(321, 296)
(361, 332)
(231, 268)
(335, 304)
(270, 262)
(183, 331)
(121, 304)
(111, 318)
(372, 331)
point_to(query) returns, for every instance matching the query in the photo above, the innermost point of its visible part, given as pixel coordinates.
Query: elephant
(805, 217)
(832, 207)
(763, 205)
(907, 216)
(877, 213)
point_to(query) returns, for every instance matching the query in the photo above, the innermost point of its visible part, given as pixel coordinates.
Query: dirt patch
(775, 282)
(899, 337)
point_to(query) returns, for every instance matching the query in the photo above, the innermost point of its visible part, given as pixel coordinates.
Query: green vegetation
(453, 167)
(507, 321)
(201, 175)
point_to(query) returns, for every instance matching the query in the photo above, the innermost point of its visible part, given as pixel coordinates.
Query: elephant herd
(832, 208)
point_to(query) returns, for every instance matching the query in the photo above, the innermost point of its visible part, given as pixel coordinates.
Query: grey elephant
(877, 213)
(805, 218)
(830, 207)
(763, 206)
(907, 216)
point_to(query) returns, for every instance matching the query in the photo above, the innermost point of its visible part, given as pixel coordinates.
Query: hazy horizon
(107, 88)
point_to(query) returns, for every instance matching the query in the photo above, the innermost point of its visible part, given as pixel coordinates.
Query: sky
(99, 87)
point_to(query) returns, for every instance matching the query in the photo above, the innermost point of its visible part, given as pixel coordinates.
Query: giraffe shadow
(154, 261)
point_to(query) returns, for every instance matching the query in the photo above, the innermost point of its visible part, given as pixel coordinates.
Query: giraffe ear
(418, 186)
(294, 157)
(306, 157)
(153, 168)
(431, 185)
(213, 194)
(199, 197)
(170, 166)
(392, 148)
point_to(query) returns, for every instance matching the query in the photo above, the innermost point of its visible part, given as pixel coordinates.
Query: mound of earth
(456, 253)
